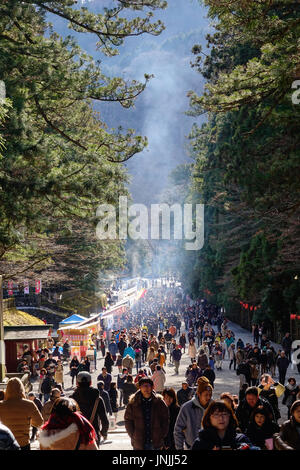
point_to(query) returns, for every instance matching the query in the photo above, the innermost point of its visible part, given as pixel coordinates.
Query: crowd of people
(158, 331)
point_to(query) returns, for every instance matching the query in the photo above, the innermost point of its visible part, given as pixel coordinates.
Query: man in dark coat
(146, 418)
(287, 345)
(86, 395)
(184, 394)
(282, 364)
(251, 402)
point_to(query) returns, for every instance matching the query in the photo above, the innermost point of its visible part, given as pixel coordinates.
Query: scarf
(86, 430)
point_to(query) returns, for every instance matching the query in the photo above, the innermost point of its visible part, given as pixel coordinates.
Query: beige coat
(59, 374)
(17, 413)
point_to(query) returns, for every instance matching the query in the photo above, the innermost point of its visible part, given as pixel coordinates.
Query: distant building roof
(26, 332)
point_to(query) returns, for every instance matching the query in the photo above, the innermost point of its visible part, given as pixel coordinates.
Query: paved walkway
(226, 381)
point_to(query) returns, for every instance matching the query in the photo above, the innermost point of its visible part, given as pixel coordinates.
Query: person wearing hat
(147, 418)
(91, 404)
(189, 419)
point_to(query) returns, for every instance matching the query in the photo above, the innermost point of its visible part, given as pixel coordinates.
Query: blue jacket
(130, 351)
(113, 349)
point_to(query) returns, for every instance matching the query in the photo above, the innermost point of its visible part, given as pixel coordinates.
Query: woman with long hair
(67, 428)
(170, 399)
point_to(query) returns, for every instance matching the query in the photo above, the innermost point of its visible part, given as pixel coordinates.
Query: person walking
(182, 342)
(129, 389)
(159, 379)
(47, 407)
(91, 404)
(74, 368)
(18, 413)
(59, 373)
(184, 394)
(287, 345)
(192, 350)
(147, 418)
(106, 377)
(105, 397)
(290, 394)
(67, 429)
(282, 365)
(251, 402)
(31, 396)
(190, 416)
(170, 399)
(109, 362)
(177, 358)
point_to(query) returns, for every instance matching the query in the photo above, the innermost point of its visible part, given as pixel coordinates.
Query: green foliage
(247, 158)
(60, 160)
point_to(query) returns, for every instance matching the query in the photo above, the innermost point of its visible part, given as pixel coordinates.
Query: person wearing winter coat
(219, 429)
(184, 394)
(254, 372)
(129, 389)
(74, 368)
(261, 429)
(18, 413)
(122, 345)
(202, 361)
(87, 397)
(47, 407)
(106, 377)
(232, 355)
(170, 399)
(271, 391)
(129, 351)
(217, 354)
(282, 364)
(161, 357)
(177, 358)
(289, 436)
(190, 416)
(251, 402)
(113, 349)
(192, 350)
(105, 397)
(109, 362)
(67, 429)
(113, 396)
(147, 418)
(290, 394)
(158, 378)
(151, 355)
(287, 345)
(192, 374)
(209, 374)
(128, 363)
(59, 373)
(182, 342)
(240, 355)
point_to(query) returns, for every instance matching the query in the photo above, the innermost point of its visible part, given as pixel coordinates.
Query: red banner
(38, 287)
(10, 287)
